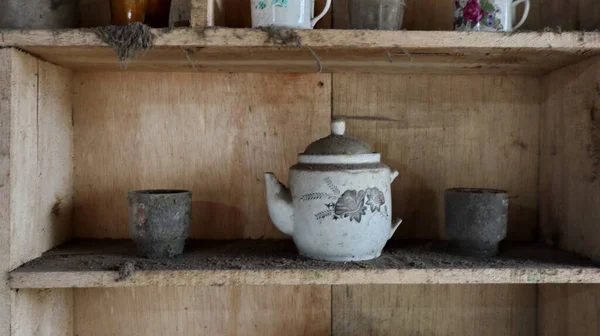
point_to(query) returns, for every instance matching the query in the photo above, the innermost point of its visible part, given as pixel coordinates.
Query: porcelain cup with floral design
(488, 15)
(293, 14)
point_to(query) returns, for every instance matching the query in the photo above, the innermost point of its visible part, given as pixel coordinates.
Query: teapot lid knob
(338, 126)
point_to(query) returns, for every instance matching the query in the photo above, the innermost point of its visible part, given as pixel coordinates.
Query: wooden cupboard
(211, 109)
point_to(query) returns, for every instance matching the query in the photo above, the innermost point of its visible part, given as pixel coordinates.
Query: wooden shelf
(105, 263)
(248, 50)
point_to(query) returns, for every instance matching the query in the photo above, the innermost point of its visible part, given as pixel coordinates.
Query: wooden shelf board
(250, 50)
(276, 262)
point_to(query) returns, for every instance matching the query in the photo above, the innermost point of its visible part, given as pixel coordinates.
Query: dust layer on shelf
(119, 255)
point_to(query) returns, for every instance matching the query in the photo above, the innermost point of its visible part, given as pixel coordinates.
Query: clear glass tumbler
(376, 14)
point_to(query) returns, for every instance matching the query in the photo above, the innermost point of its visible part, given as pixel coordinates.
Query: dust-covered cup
(476, 219)
(159, 221)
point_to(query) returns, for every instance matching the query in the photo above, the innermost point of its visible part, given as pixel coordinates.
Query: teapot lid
(337, 143)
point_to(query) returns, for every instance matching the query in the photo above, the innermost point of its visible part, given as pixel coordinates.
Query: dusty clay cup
(476, 220)
(159, 221)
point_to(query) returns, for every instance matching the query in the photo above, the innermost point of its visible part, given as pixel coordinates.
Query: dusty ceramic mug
(488, 15)
(476, 219)
(294, 14)
(159, 221)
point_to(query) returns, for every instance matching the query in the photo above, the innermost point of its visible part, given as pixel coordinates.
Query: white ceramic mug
(294, 14)
(488, 15)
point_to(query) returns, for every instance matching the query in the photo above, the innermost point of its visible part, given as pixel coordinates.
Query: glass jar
(124, 12)
(376, 14)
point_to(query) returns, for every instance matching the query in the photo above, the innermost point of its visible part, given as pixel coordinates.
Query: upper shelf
(263, 262)
(252, 50)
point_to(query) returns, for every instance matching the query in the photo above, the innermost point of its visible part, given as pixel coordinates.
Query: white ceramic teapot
(339, 204)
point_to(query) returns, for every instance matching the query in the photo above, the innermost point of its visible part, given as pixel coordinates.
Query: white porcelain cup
(293, 14)
(488, 15)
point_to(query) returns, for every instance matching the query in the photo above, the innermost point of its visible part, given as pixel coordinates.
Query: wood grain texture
(294, 60)
(434, 310)
(36, 167)
(271, 262)
(567, 42)
(23, 169)
(472, 276)
(249, 50)
(37, 115)
(429, 15)
(589, 15)
(6, 66)
(244, 310)
(215, 134)
(570, 158)
(55, 158)
(563, 15)
(43, 312)
(41, 159)
(448, 131)
(569, 310)
(94, 13)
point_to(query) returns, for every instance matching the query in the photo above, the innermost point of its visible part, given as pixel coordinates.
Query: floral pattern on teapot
(351, 204)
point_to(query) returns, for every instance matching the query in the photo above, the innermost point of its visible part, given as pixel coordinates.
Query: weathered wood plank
(6, 92)
(445, 132)
(242, 310)
(97, 264)
(215, 134)
(247, 50)
(35, 187)
(41, 158)
(569, 310)
(574, 42)
(570, 158)
(497, 310)
(42, 312)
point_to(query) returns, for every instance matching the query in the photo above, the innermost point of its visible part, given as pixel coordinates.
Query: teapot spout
(395, 226)
(393, 174)
(279, 202)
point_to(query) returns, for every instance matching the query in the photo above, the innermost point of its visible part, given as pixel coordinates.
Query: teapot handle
(395, 226)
